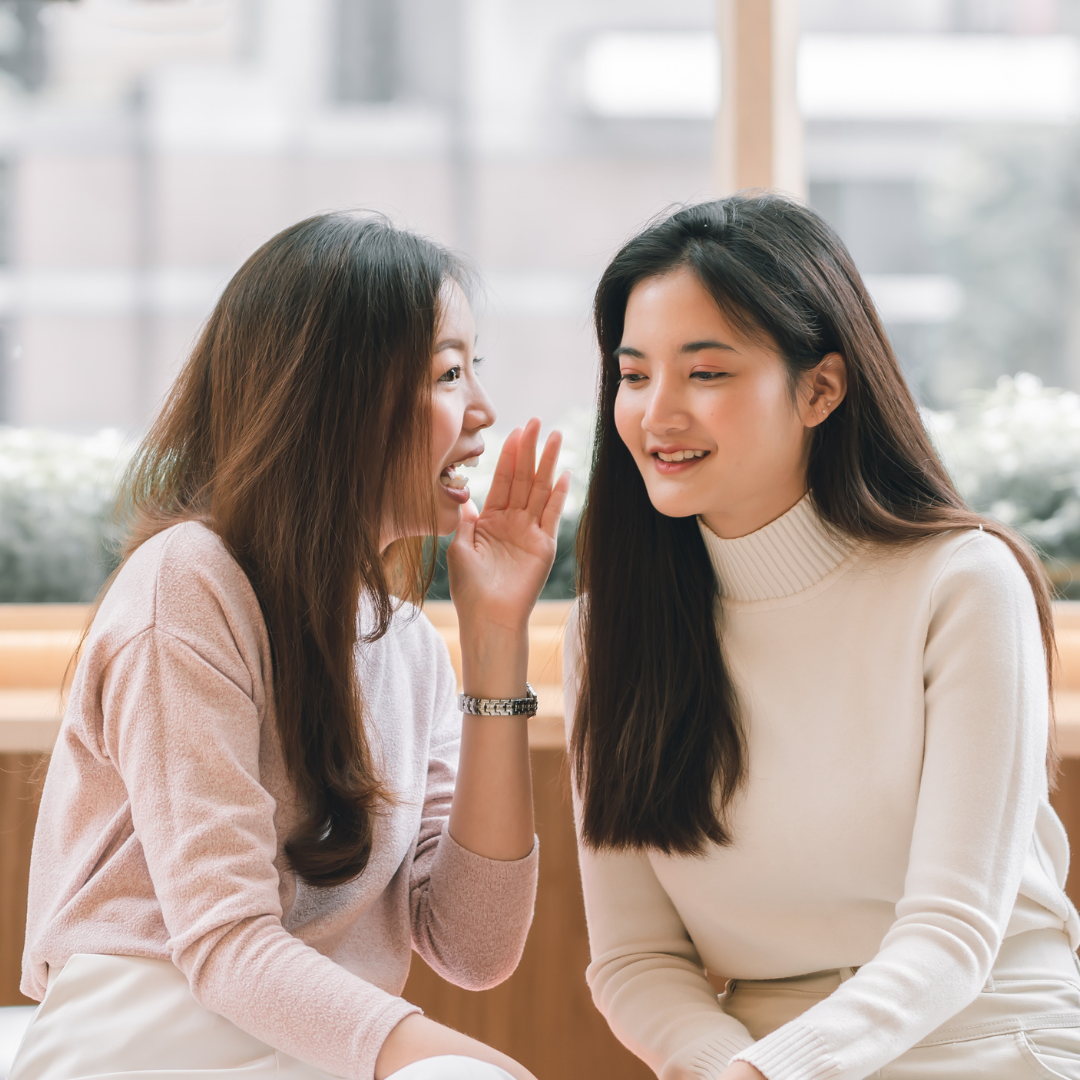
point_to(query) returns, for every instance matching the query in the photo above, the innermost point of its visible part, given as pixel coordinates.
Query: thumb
(466, 530)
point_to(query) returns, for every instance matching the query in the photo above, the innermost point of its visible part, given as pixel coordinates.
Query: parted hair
(297, 429)
(657, 748)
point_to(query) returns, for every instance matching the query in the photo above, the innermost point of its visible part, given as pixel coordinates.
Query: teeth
(471, 463)
(451, 480)
(680, 455)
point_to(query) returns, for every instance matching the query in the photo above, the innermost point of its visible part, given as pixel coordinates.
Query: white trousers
(1025, 1023)
(131, 1018)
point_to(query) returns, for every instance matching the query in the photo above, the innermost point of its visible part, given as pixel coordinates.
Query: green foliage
(58, 536)
(1014, 453)
(560, 583)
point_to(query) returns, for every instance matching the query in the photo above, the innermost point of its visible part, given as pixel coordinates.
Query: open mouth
(455, 481)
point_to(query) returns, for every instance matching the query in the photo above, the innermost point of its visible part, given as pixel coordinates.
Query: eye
(632, 377)
(451, 375)
(477, 360)
(709, 376)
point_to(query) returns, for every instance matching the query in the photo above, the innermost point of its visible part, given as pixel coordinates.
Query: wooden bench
(542, 1015)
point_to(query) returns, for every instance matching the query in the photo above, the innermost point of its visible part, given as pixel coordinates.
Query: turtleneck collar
(784, 558)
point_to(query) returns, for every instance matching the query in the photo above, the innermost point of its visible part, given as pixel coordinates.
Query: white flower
(57, 528)
(1014, 453)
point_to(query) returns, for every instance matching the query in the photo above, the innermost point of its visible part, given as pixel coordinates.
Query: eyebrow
(451, 343)
(701, 346)
(689, 347)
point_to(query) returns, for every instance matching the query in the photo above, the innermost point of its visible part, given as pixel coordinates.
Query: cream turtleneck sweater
(895, 818)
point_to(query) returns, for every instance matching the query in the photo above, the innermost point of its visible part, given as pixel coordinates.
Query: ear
(822, 389)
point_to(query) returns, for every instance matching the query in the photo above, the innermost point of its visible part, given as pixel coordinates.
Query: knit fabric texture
(895, 817)
(167, 805)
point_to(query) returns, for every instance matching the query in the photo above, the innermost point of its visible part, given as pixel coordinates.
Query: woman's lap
(1024, 1025)
(90, 1023)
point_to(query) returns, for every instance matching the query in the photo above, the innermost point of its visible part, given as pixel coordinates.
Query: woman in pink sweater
(264, 795)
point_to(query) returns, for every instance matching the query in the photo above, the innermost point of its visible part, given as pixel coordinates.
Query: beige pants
(1024, 1024)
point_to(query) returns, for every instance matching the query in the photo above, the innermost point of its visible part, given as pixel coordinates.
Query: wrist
(494, 664)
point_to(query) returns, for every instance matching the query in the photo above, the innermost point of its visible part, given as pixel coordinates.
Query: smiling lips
(677, 461)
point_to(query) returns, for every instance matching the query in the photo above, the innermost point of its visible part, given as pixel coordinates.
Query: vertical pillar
(759, 140)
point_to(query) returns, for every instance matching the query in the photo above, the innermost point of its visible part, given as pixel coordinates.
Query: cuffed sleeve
(983, 775)
(470, 914)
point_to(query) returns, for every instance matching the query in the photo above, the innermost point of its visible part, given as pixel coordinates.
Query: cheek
(627, 416)
(446, 421)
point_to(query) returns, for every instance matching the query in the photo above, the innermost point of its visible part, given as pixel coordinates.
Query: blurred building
(148, 146)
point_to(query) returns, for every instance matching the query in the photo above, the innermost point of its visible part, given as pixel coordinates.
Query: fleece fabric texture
(167, 805)
(895, 817)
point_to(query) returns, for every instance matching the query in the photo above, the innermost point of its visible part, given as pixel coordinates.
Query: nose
(479, 412)
(666, 411)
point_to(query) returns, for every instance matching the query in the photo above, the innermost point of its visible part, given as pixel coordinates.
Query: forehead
(455, 315)
(671, 301)
(677, 308)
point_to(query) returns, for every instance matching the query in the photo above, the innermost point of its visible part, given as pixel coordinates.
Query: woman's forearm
(492, 810)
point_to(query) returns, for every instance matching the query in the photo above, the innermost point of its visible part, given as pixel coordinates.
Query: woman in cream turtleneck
(807, 691)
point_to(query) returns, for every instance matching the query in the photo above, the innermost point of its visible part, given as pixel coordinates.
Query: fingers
(545, 473)
(524, 465)
(499, 493)
(549, 519)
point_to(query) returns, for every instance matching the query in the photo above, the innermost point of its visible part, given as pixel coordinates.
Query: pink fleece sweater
(167, 805)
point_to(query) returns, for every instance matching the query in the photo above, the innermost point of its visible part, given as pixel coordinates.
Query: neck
(752, 514)
(784, 557)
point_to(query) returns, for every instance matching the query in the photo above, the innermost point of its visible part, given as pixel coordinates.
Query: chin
(448, 520)
(674, 505)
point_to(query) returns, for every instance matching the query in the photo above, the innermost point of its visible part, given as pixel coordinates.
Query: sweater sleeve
(184, 732)
(646, 976)
(470, 914)
(983, 776)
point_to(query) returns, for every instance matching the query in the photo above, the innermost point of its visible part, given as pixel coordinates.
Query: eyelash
(632, 377)
(455, 371)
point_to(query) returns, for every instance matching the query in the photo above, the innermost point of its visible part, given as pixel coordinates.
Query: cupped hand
(501, 556)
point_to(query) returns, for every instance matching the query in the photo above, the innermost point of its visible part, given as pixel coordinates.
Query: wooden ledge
(30, 720)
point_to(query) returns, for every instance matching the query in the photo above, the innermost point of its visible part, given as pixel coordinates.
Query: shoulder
(976, 561)
(969, 577)
(184, 582)
(957, 560)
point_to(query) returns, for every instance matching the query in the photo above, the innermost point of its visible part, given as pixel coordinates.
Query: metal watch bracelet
(511, 706)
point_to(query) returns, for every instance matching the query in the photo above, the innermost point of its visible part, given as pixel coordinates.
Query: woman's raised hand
(498, 563)
(501, 557)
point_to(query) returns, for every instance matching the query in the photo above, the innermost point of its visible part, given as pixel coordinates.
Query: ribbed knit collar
(784, 558)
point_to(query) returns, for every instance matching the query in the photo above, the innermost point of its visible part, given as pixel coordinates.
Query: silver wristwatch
(508, 706)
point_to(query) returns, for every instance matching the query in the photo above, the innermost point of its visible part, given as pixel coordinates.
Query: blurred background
(148, 146)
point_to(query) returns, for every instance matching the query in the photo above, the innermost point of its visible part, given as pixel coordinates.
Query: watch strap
(520, 706)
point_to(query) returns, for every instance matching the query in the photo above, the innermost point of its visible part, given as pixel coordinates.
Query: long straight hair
(297, 430)
(657, 749)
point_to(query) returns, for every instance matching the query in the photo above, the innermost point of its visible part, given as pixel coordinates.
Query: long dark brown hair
(297, 429)
(657, 750)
